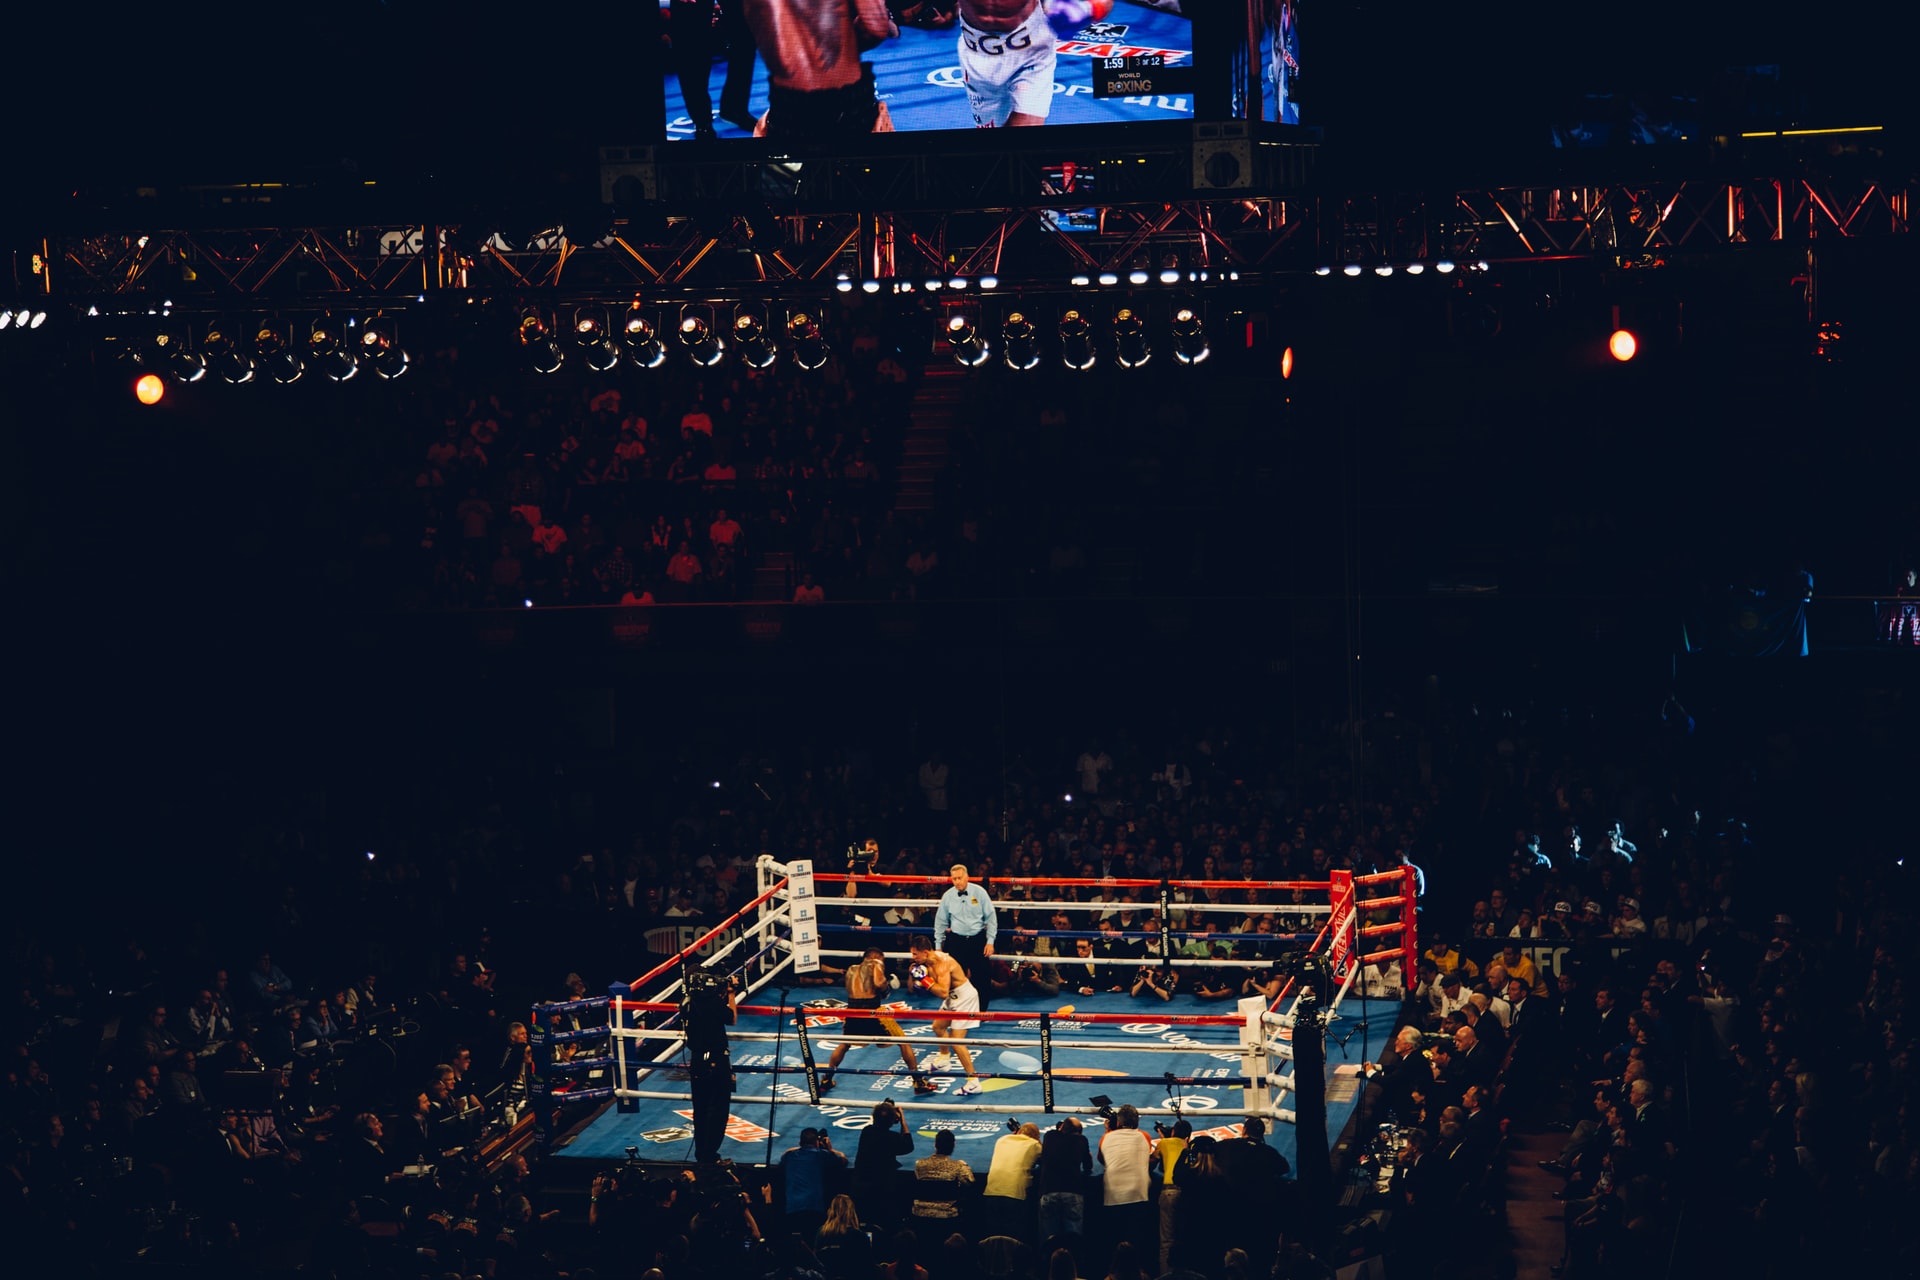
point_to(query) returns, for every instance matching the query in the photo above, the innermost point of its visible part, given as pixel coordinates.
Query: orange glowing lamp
(149, 389)
(1622, 346)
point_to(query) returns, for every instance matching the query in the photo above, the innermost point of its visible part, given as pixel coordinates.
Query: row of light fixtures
(1020, 339)
(241, 352)
(21, 319)
(601, 347)
(1445, 267)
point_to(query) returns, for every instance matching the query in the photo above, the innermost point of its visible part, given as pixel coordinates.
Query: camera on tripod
(862, 858)
(1106, 1111)
(703, 984)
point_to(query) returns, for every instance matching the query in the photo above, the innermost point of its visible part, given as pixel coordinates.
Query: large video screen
(814, 69)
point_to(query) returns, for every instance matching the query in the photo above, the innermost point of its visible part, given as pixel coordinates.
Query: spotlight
(172, 351)
(328, 352)
(989, 282)
(804, 340)
(1286, 363)
(957, 283)
(589, 326)
(697, 336)
(1416, 268)
(933, 286)
(750, 337)
(1019, 348)
(964, 341)
(148, 388)
(1480, 266)
(1189, 336)
(1444, 267)
(380, 349)
(1139, 275)
(6, 318)
(1169, 276)
(543, 353)
(1130, 346)
(1384, 269)
(842, 284)
(1323, 271)
(1622, 345)
(1351, 269)
(1076, 341)
(39, 318)
(1082, 281)
(1109, 279)
(23, 319)
(641, 340)
(225, 356)
(869, 286)
(270, 352)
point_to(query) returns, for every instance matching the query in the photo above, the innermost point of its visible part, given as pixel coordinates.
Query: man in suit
(1609, 1028)
(1472, 1063)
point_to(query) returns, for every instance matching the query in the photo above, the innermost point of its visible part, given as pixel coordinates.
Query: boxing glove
(1067, 17)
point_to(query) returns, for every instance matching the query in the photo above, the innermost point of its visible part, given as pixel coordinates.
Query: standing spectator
(1092, 765)
(1065, 1163)
(933, 783)
(684, 571)
(876, 1162)
(939, 1180)
(724, 531)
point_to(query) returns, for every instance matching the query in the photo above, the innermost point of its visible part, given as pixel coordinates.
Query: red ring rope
(704, 939)
(1094, 883)
(907, 1015)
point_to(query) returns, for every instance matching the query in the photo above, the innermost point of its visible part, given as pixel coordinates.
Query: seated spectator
(940, 1181)
(843, 1244)
(270, 985)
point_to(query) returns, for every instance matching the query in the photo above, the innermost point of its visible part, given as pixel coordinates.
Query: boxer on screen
(817, 85)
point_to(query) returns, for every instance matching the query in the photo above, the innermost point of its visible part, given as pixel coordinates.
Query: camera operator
(710, 1010)
(876, 1163)
(1007, 1203)
(1125, 1154)
(1065, 1164)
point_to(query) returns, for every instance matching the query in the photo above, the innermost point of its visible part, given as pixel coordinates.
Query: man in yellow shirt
(1166, 1154)
(1520, 965)
(1448, 960)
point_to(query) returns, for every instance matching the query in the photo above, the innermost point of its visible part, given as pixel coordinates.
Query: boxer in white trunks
(942, 975)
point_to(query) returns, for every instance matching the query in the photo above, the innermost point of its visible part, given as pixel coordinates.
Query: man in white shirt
(1092, 763)
(1126, 1186)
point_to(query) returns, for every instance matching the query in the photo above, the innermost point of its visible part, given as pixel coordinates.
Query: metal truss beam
(721, 253)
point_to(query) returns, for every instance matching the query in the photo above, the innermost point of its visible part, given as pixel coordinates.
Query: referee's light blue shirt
(965, 912)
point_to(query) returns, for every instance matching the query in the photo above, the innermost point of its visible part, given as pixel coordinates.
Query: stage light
(22, 318)
(1189, 336)
(543, 353)
(1286, 363)
(641, 340)
(39, 318)
(1169, 276)
(1323, 271)
(1019, 348)
(6, 318)
(1081, 282)
(1444, 267)
(1384, 269)
(869, 286)
(697, 336)
(1351, 269)
(1480, 266)
(148, 388)
(933, 286)
(804, 340)
(327, 350)
(270, 352)
(963, 340)
(957, 283)
(1622, 345)
(172, 352)
(989, 282)
(589, 326)
(1416, 268)
(1108, 279)
(224, 355)
(1076, 341)
(380, 348)
(842, 285)
(750, 339)
(1130, 346)
(1138, 275)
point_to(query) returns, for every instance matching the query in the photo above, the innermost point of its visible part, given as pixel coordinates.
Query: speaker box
(1222, 156)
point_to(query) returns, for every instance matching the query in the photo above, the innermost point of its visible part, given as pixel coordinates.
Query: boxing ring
(1035, 1053)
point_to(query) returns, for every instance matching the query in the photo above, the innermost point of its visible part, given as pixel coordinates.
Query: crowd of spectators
(664, 486)
(1630, 974)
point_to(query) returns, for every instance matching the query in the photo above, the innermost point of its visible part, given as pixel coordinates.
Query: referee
(964, 927)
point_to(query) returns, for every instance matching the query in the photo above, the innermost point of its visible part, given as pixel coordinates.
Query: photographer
(876, 1163)
(1150, 979)
(710, 1010)
(1065, 1163)
(1007, 1204)
(1125, 1154)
